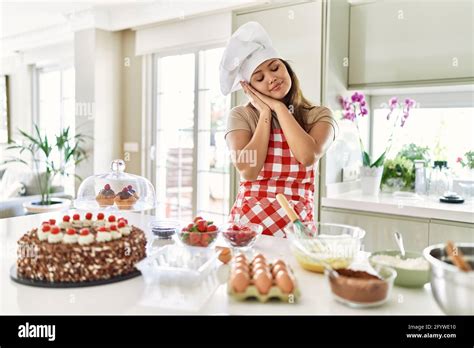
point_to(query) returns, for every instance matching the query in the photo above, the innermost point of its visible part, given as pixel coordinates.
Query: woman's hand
(254, 99)
(273, 104)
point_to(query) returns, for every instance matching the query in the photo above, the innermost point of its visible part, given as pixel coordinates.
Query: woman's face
(272, 79)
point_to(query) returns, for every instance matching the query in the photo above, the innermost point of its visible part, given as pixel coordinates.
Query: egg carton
(274, 293)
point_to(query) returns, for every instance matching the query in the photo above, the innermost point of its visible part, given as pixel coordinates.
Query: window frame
(448, 99)
(154, 112)
(35, 78)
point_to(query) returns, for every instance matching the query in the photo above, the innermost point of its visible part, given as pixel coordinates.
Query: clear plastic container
(176, 265)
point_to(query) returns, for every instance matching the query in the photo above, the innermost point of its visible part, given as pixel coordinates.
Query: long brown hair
(295, 99)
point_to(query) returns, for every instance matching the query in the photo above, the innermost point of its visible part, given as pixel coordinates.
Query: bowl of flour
(413, 271)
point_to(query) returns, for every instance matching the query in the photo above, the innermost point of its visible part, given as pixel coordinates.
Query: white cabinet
(295, 30)
(442, 231)
(380, 228)
(411, 42)
(417, 233)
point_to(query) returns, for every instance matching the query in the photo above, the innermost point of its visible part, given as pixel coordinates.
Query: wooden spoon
(457, 257)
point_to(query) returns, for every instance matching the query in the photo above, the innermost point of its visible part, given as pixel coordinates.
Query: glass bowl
(358, 292)
(196, 235)
(197, 239)
(335, 244)
(242, 236)
(164, 229)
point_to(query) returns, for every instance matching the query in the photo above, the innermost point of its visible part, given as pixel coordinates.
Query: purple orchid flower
(409, 103)
(393, 102)
(357, 97)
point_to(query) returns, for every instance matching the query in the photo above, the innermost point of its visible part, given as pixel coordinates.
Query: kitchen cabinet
(441, 231)
(295, 30)
(417, 233)
(404, 42)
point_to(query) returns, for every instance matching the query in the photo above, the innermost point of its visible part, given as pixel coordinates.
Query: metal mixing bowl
(452, 288)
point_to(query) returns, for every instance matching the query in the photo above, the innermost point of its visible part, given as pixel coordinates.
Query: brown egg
(239, 281)
(262, 281)
(225, 257)
(277, 268)
(240, 256)
(258, 257)
(284, 282)
(258, 266)
(241, 266)
(279, 262)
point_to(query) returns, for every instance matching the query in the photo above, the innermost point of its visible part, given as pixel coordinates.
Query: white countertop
(387, 203)
(128, 297)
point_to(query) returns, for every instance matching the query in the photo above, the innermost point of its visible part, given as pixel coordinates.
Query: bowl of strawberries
(241, 235)
(199, 233)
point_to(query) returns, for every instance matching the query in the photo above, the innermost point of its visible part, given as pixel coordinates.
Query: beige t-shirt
(246, 117)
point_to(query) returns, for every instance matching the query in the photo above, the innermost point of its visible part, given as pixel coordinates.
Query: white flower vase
(370, 179)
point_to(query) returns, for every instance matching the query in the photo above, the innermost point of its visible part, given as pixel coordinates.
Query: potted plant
(355, 108)
(42, 149)
(397, 175)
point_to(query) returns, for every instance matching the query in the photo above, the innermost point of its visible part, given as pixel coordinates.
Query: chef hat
(248, 47)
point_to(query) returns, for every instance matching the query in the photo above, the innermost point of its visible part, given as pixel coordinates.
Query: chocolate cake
(76, 253)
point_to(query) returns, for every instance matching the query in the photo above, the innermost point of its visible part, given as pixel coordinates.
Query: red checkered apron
(282, 173)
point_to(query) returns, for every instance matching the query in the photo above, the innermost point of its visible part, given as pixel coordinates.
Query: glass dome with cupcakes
(115, 190)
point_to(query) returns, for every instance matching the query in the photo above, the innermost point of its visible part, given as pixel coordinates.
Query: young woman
(276, 139)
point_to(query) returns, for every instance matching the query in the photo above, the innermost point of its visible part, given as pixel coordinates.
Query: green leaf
(379, 161)
(365, 159)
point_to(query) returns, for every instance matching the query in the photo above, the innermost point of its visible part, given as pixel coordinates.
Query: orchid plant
(355, 107)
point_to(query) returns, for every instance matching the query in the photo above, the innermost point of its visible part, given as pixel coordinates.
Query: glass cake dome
(115, 191)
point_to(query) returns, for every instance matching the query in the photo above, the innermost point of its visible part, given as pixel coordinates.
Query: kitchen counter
(386, 203)
(128, 297)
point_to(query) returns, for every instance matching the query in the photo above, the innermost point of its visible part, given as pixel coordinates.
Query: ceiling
(21, 17)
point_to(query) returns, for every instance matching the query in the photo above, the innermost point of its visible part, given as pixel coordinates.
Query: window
(56, 109)
(446, 131)
(192, 168)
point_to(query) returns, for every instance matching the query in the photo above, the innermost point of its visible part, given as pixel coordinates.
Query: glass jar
(420, 177)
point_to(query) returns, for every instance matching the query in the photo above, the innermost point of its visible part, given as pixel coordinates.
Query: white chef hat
(248, 47)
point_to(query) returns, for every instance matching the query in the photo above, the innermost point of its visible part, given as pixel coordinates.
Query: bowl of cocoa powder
(361, 289)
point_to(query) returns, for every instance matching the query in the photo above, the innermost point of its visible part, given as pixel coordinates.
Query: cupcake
(106, 196)
(125, 199)
(133, 192)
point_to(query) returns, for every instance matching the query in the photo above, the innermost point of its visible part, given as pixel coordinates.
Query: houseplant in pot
(399, 173)
(355, 108)
(45, 164)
